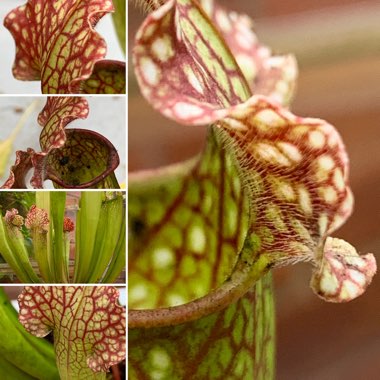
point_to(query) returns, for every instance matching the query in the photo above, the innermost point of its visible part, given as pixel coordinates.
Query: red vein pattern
(187, 231)
(37, 218)
(64, 159)
(56, 42)
(187, 318)
(88, 325)
(175, 76)
(87, 159)
(296, 168)
(272, 76)
(297, 171)
(187, 71)
(108, 77)
(56, 115)
(22, 165)
(236, 343)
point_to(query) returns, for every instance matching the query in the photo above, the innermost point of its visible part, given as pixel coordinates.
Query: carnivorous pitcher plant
(268, 190)
(46, 236)
(88, 326)
(69, 157)
(56, 43)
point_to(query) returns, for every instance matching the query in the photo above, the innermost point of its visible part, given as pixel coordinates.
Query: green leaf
(59, 259)
(117, 263)
(187, 225)
(87, 322)
(100, 237)
(86, 231)
(99, 244)
(9, 371)
(22, 354)
(109, 232)
(119, 19)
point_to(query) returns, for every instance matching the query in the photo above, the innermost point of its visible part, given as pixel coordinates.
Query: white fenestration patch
(329, 284)
(159, 358)
(162, 258)
(160, 363)
(193, 79)
(235, 124)
(223, 21)
(138, 292)
(286, 191)
(328, 194)
(150, 71)
(349, 291)
(187, 111)
(343, 275)
(270, 118)
(207, 6)
(324, 165)
(326, 162)
(244, 37)
(162, 48)
(197, 239)
(291, 151)
(336, 263)
(357, 277)
(338, 179)
(304, 200)
(317, 139)
(270, 154)
(147, 32)
(282, 188)
(207, 203)
(276, 62)
(12, 15)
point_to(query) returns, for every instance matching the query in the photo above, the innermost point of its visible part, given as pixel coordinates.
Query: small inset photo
(67, 142)
(64, 47)
(62, 237)
(62, 332)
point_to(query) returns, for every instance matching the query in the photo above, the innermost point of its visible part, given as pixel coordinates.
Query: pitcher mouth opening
(67, 175)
